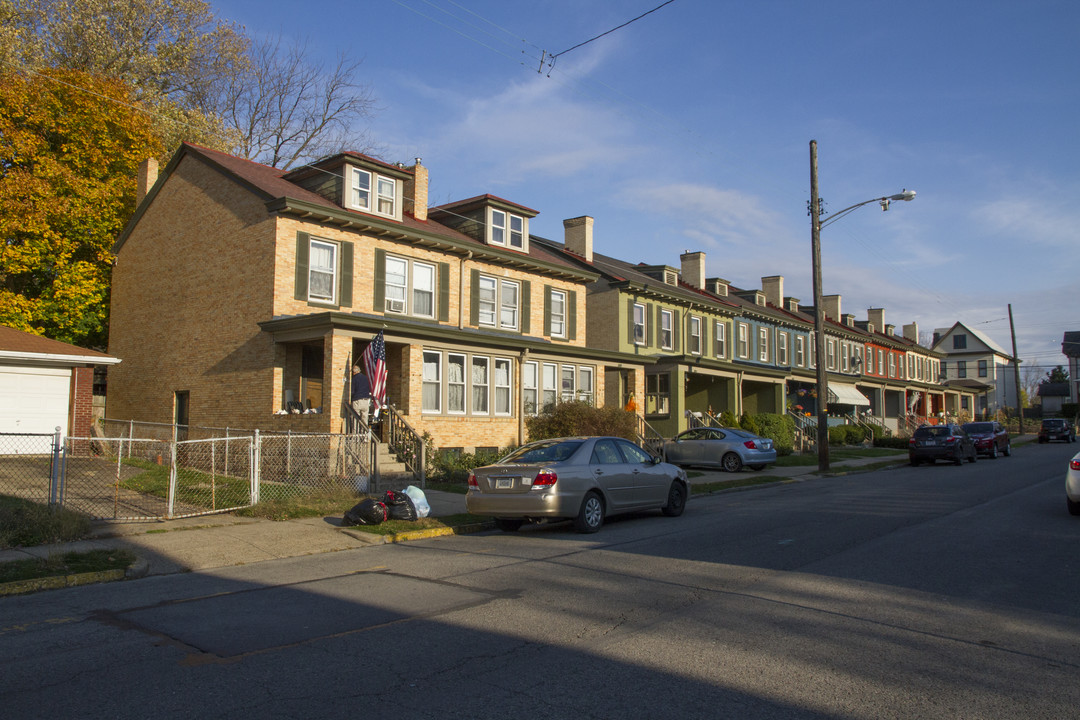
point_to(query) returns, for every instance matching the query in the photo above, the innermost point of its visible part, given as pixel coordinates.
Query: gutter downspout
(521, 395)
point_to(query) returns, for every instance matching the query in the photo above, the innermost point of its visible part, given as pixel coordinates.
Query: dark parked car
(729, 448)
(941, 442)
(990, 438)
(582, 478)
(1057, 429)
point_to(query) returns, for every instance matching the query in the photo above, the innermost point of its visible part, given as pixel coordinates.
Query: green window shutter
(346, 274)
(444, 292)
(474, 298)
(303, 245)
(380, 281)
(630, 322)
(547, 311)
(676, 336)
(571, 325)
(526, 306)
(657, 320)
(704, 336)
(650, 327)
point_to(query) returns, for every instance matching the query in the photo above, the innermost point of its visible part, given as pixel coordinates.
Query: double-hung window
(800, 351)
(870, 360)
(558, 314)
(639, 324)
(322, 271)
(499, 302)
(782, 348)
(830, 353)
(502, 386)
(695, 336)
(481, 381)
(549, 378)
(892, 365)
(666, 339)
(432, 382)
(455, 384)
(721, 340)
(407, 281)
(568, 383)
(585, 384)
(982, 368)
(763, 344)
(372, 193)
(845, 356)
(744, 340)
(507, 229)
(961, 369)
(658, 394)
(529, 387)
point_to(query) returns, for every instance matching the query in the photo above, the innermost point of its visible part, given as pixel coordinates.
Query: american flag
(375, 368)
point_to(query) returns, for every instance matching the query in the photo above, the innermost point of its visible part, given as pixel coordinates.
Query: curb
(55, 582)
(376, 539)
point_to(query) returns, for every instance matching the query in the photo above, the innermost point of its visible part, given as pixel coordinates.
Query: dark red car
(990, 438)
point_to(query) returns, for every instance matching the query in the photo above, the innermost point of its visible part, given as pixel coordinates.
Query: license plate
(931, 443)
(504, 483)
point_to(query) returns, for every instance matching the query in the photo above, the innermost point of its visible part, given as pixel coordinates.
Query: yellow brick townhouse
(242, 296)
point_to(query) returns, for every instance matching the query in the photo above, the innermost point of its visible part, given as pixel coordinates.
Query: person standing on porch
(361, 393)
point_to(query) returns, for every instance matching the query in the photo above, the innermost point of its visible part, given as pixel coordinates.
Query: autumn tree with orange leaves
(70, 146)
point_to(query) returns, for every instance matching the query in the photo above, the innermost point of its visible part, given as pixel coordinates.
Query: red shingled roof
(17, 341)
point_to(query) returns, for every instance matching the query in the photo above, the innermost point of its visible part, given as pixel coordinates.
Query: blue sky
(689, 129)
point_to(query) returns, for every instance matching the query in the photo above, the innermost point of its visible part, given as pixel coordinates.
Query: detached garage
(46, 384)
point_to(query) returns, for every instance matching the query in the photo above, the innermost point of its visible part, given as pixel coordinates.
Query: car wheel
(974, 455)
(1074, 507)
(509, 524)
(1008, 449)
(993, 451)
(591, 515)
(676, 500)
(915, 463)
(959, 459)
(757, 468)
(732, 462)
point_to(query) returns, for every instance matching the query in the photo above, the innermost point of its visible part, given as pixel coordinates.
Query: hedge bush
(778, 428)
(897, 443)
(580, 418)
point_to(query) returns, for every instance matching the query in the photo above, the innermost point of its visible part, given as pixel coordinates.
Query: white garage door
(34, 400)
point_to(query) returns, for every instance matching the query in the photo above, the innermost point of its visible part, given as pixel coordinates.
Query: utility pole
(819, 317)
(1016, 370)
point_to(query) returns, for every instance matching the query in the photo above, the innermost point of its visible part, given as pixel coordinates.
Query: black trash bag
(366, 512)
(399, 506)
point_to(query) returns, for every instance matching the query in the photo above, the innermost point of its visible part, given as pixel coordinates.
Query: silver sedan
(729, 448)
(582, 478)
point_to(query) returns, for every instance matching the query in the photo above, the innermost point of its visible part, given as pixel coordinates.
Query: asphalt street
(930, 592)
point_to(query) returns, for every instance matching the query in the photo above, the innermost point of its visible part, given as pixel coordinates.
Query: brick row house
(243, 294)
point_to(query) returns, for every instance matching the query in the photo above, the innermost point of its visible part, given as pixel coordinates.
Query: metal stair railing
(405, 443)
(805, 436)
(649, 438)
(361, 445)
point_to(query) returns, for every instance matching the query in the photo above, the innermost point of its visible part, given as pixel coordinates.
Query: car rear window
(1053, 423)
(544, 452)
(932, 432)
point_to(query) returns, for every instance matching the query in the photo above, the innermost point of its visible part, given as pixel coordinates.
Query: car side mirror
(657, 460)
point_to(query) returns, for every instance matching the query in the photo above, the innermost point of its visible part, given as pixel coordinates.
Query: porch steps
(393, 475)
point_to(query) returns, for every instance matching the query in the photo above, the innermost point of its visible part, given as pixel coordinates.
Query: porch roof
(846, 395)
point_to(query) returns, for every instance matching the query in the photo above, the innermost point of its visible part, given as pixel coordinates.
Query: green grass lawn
(24, 523)
(835, 453)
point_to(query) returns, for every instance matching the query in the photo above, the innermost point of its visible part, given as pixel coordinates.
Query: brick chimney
(416, 192)
(830, 304)
(911, 332)
(693, 268)
(774, 289)
(876, 317)
(148, 172)
(579, 236)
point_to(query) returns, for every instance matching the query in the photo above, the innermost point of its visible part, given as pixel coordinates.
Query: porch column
(337, 351)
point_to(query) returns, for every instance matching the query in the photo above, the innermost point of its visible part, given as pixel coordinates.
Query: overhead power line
(553, 57)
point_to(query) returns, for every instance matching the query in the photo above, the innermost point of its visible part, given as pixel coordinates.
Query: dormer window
(373, 193)
(507, 229)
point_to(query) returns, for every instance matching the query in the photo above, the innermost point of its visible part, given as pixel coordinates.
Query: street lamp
(819, 312)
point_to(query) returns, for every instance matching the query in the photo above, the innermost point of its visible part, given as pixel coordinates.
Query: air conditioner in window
(397, 306)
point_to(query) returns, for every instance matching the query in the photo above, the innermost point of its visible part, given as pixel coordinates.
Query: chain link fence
(131, 478)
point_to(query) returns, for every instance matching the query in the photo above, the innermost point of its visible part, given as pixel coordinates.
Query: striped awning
(846, 395)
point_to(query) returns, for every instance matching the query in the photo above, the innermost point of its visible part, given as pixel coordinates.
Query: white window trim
(437, 381)
(335, 250)
(667, 333)
(800, 351)
(475, 361)
(530, 384)
(695, 335)
(582, 394)
(557, 321)
(782, 348)
(464, 384)
(409, 289)
(644, 325)
(511, 237)
(743, 347)
(720, 344)
(374, 193)
(508, 387)
(763, 344)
